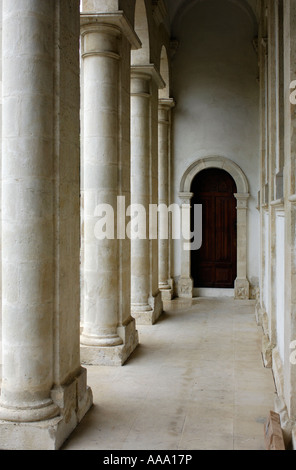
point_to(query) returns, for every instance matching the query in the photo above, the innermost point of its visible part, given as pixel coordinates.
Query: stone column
(146, 304)
(164, 133)
(109, 334)
(241, 288)
(185, 283)
(43, 393)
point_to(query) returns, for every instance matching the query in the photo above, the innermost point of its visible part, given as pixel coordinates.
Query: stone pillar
(44, 393)
(164, 134)
(109, 335)
(146, 304)
(242, 288)
(185, 283)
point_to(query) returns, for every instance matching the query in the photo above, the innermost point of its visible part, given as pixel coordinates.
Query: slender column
(185, 283)
(164, 123)
(40, 226)
(140, 190)
(143, 193)
(241, 283)
(106, 271)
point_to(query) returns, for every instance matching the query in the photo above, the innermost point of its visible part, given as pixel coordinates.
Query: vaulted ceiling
(178, 8)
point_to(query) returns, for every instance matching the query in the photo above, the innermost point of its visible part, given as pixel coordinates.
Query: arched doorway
(215, 263)
(185, 282)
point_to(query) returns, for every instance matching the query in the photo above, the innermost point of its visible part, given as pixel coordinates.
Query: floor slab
(196, 381)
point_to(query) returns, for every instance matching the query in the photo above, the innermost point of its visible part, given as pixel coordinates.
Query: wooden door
(214, 264)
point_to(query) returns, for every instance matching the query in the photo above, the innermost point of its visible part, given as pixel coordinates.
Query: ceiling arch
(179, 8)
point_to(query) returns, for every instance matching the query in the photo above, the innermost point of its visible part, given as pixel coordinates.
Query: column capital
(166, 103)
(186, 197)
(92, 22)
(242, 200)
(147, 72)
(164, 107)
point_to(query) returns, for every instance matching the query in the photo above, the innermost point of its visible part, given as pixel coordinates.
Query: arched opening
(215, 263)
(141, 56)
(241, 287)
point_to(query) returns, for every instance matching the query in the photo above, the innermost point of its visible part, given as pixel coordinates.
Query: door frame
(241, 285)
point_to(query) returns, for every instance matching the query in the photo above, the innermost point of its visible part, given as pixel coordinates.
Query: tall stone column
(44, 393)
(109, 335)
(242, 286)
(146, 304)
(164, 134)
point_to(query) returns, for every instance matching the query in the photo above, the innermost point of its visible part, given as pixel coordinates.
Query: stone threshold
(212, 292)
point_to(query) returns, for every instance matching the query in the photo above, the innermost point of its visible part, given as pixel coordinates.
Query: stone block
(273, 434)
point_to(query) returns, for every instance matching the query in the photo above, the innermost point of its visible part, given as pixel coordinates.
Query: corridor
(195, 382)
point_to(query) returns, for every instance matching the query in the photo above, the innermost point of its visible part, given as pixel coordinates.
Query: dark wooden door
(214, 264)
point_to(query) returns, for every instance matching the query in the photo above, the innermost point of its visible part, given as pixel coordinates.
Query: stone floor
(195, 382)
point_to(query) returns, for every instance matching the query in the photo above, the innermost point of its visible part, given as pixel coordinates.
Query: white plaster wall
(214, 83)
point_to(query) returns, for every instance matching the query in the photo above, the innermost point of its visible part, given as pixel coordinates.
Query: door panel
(214, 265)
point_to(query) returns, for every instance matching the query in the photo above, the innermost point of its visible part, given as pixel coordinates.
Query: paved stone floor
(195, 382)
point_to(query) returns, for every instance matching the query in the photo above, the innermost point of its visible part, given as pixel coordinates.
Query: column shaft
(146, 300)
(164, 123)
(242, 286)
(109, 334)
(140, 191)
(185, 283)
(28, 209)
(100, 94)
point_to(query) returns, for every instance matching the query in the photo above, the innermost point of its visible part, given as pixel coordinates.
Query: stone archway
(185, 285)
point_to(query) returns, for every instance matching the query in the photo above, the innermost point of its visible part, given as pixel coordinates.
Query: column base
(29, 414)
(149, 316)
(167, 290)
(112, 355)
(106, 340)
(241, 289)
(259, 314)
(166, 293)
(287, 424)
(73, 400)
(266, 351)
(185, 288)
